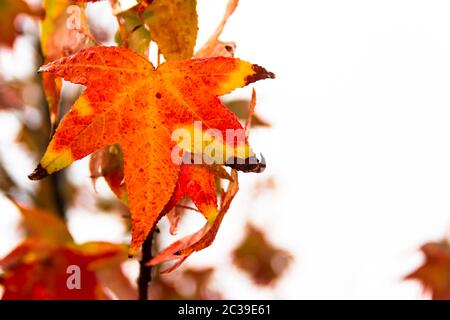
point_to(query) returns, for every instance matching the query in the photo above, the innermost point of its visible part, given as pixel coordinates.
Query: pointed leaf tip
(251, 164)
(260, 74)
(38, 173)
(131, 252)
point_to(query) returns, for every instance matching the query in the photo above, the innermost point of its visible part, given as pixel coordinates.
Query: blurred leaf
(38, 267)
(10, 95)
(40, 271)
(214, 47)
(31, 138)
(9, 10)
(106, 204)
(434, 274)
(241, 109)
(42, 224)
(257, 257)
(116, 281)
(268, 184)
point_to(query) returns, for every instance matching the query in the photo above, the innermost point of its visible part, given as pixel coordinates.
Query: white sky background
(360, 145)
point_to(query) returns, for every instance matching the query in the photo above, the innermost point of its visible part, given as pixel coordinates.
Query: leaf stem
(145, 272)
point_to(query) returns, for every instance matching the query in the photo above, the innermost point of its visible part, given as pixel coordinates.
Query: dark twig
(145, 272)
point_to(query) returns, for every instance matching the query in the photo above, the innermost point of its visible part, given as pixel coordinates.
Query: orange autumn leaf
(197, 183)
(128, 102)
(38, 267)
(9, 10)
(434, 274)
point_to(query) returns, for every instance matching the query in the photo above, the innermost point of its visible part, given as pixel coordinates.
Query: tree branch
(57, 181)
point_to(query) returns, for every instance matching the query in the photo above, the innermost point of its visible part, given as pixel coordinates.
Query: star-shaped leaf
(130, 103)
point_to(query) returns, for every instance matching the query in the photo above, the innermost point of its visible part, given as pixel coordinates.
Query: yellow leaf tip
(38, 173)
(131, 252)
